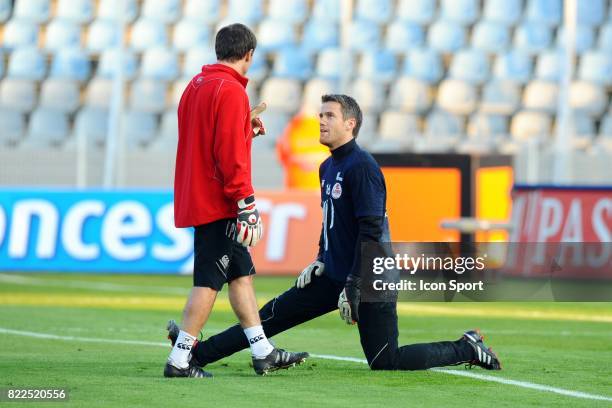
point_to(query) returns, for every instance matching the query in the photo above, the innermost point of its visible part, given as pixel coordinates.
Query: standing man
(213, 193)
(353, 198)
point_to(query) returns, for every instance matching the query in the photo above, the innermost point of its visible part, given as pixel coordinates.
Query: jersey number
(328, 219)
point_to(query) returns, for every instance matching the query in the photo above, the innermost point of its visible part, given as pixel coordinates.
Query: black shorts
(218, 258)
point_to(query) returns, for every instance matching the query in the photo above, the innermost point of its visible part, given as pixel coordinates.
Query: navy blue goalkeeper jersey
(352, 186)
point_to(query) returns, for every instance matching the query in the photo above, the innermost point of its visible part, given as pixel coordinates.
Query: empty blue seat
(245, 11)
(591, 12)
(206, 11)
(5, 10)
(410, 95)
(195, 58)
(585, 38)
(103, 34)
(13, 126)
(292, 63)
(319, 34)
(596, 66)
(424, 64)
(27, 63)
(99, 92)
(441, 123)
(18, 94)
(275, 34)
(605, 38)
(109, 62)
(506, 12)
(364, 35)
(446, 36)
(326, 10)
(71, 63)
(404, 35)
(34, 10)
(471, 66)
(78, 11)
(20, 33)
(167, 11)
(500, 97)
(114, 9)
(460, 11)
(514, 65)
(548, 66)
(47, 127)
(159, 63)
(62, 34)
(147, 33)
(532, 37)
(93, 124)
(378, 66)
(60, 94)
(417, 11)
(189, 33)
(329, 63)
(487, 125)
(379, 11)
(139, 128)
(546, 12)
(148, 95)
(490, 36)
(294, 11)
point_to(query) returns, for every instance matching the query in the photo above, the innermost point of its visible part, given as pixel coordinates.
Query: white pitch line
(524, 384)
(91, 285)
(482, 377)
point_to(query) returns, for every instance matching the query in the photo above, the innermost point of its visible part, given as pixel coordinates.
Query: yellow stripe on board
(495, 312)
(222, 304)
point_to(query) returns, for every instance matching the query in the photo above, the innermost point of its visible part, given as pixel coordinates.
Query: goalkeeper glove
(249, 228)
(317, 267)
(348, 302)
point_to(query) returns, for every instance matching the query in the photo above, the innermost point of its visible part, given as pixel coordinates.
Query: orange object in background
(292, 225)
(418, 198)
(493, 199)
(301, 153)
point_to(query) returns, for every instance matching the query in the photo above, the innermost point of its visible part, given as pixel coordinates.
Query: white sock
(181, 352)
(260, 346)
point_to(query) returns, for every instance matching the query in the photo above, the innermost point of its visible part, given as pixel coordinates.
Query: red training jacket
(213, 158)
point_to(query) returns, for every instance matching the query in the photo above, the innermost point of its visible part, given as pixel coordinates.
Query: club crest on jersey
(336, 191)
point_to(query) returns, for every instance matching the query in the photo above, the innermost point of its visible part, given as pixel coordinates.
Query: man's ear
(249, 55)
(350, 124)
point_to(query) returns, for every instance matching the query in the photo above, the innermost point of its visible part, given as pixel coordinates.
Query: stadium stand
(431, 75)
(20, 33)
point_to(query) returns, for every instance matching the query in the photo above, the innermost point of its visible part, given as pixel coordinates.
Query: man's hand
(249, 228)
(317, 267)
(256, 122)
(348, 302)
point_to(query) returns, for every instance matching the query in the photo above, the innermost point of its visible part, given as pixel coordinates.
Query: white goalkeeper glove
(317, 267)
(350, 297)
(249, 228)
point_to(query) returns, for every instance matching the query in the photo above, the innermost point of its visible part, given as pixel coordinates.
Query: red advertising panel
(562, 215)
(562, 232)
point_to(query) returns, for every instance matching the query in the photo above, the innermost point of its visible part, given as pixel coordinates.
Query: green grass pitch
(562, 345)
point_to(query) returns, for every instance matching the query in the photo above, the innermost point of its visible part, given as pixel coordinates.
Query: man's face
(334, 131)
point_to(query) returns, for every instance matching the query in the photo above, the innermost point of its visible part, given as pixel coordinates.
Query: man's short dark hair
(349, 107)
(233, 42)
